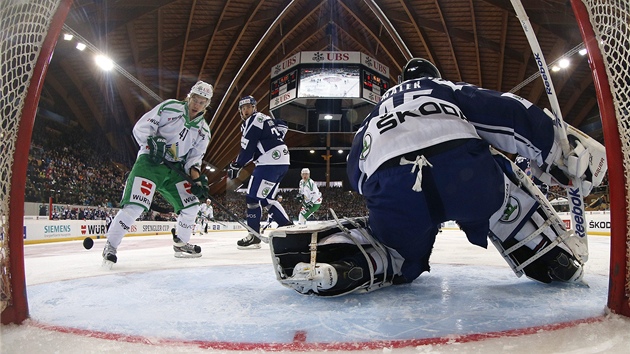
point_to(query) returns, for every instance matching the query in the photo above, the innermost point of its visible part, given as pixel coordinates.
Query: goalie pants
(465, 184)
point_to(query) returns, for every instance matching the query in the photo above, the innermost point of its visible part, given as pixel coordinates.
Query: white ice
(229, 301)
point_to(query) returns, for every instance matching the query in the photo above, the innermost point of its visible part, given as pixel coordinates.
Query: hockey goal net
(605, 27)
(29, 32)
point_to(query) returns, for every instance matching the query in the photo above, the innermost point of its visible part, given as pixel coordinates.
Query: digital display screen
(329, 81)
(374, 83)
(284, 83)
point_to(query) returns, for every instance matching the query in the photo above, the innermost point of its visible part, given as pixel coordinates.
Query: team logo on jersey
(367, 145)
(275, 154)
(259, 118)
(512, 211)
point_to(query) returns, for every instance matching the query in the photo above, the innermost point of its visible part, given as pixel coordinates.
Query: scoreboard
(374, 86)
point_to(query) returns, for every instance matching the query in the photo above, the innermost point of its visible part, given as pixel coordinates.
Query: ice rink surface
(229, 301)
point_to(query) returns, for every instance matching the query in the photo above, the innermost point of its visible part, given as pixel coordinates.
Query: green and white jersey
(310, 192)
(186, 138)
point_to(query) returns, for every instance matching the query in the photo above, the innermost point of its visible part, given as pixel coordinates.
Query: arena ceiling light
(68, 37)
(81, 46)
(104, 62)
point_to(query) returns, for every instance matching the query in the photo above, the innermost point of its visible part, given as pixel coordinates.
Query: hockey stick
(575, 194)
(224, 209)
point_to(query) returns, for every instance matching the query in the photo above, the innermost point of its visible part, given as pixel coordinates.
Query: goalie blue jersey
(262, 141)
(424, 112)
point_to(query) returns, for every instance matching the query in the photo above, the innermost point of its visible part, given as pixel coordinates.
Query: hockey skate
(248, 242)
(109, 256)
(183, 249)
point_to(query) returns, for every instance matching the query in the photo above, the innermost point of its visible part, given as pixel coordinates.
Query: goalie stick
(575, 194)
(224, 209)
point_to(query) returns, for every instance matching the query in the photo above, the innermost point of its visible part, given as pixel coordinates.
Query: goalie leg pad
(331, 259)
(531, 236)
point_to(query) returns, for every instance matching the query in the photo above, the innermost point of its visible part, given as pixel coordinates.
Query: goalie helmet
(247, 100)
(417, 68)
(202, 89)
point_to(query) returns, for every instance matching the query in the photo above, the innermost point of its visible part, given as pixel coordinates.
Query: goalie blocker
(339, 257)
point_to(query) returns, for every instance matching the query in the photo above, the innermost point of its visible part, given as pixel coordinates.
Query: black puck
(88, 243)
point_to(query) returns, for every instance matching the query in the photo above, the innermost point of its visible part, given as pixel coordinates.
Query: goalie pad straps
(528, 218)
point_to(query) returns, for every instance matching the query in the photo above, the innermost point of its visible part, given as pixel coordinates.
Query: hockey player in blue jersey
(261, 141)
(431, 151)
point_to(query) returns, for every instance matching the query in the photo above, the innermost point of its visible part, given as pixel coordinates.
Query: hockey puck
(88, 243)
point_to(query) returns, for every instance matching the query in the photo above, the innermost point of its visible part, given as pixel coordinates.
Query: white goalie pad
(528, 225)
(302, 256)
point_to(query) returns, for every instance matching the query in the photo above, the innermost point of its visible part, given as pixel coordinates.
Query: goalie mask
(417, 68)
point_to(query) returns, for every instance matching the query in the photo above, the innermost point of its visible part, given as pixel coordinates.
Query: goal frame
(17, 307)
(619, 283)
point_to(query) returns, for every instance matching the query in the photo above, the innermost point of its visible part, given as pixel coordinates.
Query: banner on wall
(64, 230)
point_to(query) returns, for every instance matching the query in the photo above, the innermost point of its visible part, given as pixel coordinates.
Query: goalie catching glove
(585, 164)
(157, 148)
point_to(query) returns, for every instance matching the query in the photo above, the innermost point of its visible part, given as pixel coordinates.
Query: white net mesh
(23, 29)
(610, 20)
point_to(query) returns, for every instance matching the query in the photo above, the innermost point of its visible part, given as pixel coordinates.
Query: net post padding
(614, 123)
(17, 307)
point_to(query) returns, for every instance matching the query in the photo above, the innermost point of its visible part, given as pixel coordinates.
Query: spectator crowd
(71, 168)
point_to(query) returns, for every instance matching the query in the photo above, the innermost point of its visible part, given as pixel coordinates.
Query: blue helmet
(246, 100)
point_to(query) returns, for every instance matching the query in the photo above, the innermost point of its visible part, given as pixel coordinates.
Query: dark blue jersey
(424, 112)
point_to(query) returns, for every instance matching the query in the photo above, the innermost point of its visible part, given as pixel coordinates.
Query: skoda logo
(275, 154)
(265, 192)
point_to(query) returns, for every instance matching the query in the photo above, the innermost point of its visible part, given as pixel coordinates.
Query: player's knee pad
(531, 236)
(332, 259)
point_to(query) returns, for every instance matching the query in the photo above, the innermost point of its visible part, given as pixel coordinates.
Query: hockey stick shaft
(574, 193)
(224, 209)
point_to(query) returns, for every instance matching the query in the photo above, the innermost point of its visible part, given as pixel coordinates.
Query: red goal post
(605, 28)
(28, 34)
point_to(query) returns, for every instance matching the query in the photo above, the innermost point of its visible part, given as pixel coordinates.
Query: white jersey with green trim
(186, 139)
(310, 191)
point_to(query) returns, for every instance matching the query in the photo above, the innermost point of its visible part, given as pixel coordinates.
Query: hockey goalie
(431, 151)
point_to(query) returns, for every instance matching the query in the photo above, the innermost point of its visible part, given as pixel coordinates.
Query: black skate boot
(248, 242)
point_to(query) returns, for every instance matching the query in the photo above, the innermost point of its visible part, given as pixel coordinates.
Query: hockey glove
(307, 205)
(157, 148)
(200, 187)
(586, 162)
(233, 170)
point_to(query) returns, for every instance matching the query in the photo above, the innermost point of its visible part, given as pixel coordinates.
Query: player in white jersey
(175, 131)
(263, 142)
(309, 195)
(426, 154)
(206, 214)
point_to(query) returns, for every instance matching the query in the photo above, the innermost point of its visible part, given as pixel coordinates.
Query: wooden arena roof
(162, 47)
